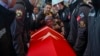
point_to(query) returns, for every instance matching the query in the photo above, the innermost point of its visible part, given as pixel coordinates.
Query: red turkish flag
(47, 42)
(78, 18)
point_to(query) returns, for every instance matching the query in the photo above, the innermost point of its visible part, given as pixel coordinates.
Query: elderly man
(64, 14)
(6, 18)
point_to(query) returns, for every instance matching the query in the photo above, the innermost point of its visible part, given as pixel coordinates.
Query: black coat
(6, 18)
(41, 19)
(64, 15)
(19, 37)
(74, 5)
(93, 47)
(78, 32)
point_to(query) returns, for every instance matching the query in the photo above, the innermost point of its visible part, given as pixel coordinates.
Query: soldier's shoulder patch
(63, 14)
(19, 13)
(82, 24)
(2, 32)
(91, 14)
(80, 16)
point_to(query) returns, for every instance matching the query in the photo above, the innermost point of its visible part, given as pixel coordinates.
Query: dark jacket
(78, 34)
(93, 34)
(6, 18)
(93, 47)
(74, 5)
(82, 34)
(19, 37)
(64, 15)
(28, 13)
(41, 19)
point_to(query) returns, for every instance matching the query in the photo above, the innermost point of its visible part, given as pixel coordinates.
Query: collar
(73, 1)
(3, 4)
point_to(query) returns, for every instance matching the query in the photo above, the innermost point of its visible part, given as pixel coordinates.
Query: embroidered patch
(91, 14)
(19, 13)
(80, 16)
(82, 24)
(2, 32)
(63, 14)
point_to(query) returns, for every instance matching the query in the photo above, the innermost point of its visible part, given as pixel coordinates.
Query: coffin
(47, 42)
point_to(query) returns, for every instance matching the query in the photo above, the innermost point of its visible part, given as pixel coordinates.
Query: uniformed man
(73, 4)
(6, 18)
(73, 26)
(28, 12)
(64, 15)
(34, 17)
(78, 34)
(29, 5)
(93, 47)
